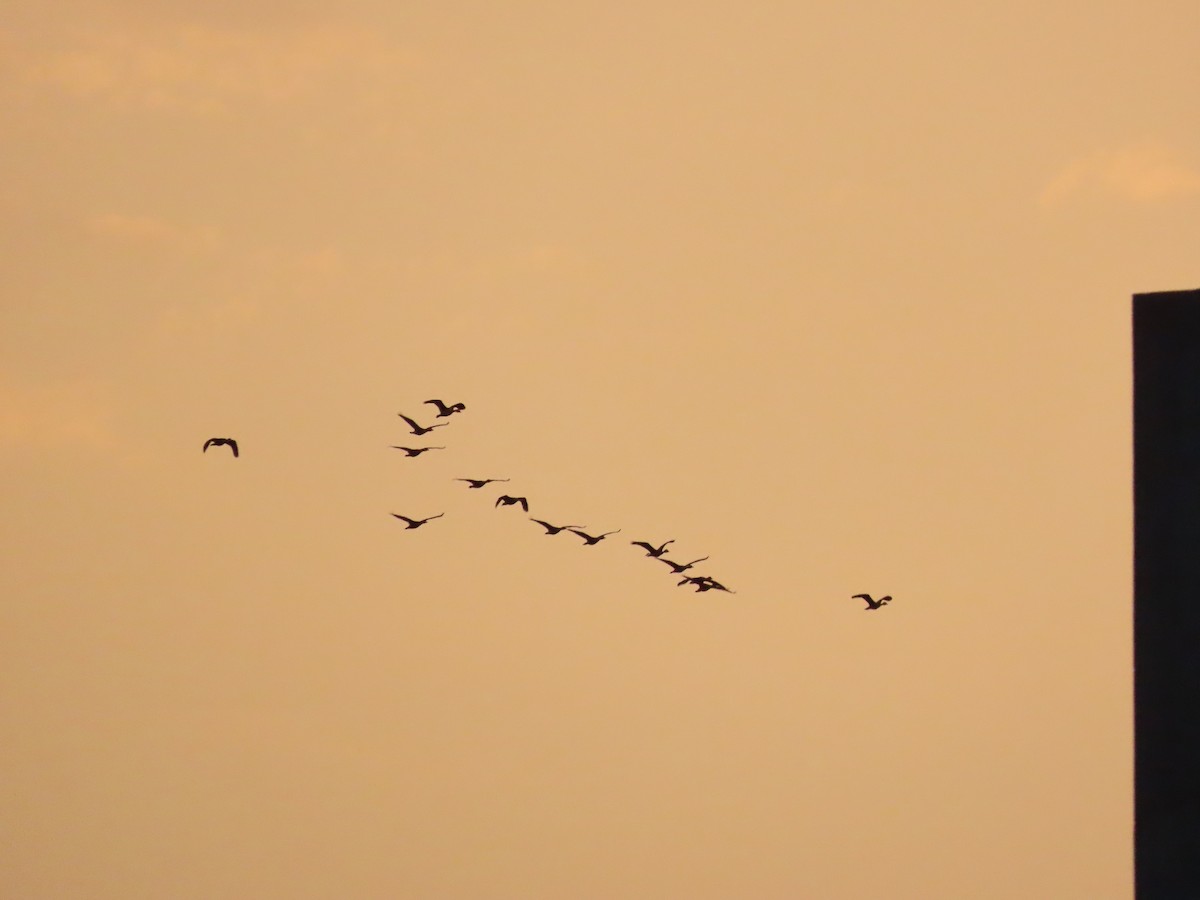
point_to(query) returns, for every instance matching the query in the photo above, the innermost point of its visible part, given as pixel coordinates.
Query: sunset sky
(835, 294)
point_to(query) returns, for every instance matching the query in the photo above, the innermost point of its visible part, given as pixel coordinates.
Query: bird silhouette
(677, 568)
(444, 410)
(479, 482)
(650, 549)
(505, 500)
(553, 529)
(873, 604)
(217, 442)
(415, 451)
(416, 523)
(419, 430)
(705, 583)
(588, 539)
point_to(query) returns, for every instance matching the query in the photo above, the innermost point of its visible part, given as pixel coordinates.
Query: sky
(837, 295)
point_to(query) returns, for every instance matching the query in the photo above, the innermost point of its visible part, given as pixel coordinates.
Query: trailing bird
(677, 568)
(217, 442)
(553, 529)
(416, 523)
(588, 540)
(417, 429)
(415, 451)
(650, 549)
(873, 604)
(479, 482)
(505, 500)
(705, 583)
(444, 410)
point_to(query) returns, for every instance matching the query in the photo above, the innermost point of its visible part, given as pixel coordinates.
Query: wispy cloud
(152, 231)
(1143, 173)
(203, 70)
(77, 413)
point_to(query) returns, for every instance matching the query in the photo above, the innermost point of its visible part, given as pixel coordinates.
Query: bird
(415, 451)
(588, 540)
(680, 567)
(416, 523)
(553, 529)
(650, 549)
(705, 583)
(506, 500)
(479, 482)
(417, 429)
(872, 604)
(217, 442)
(444, 410)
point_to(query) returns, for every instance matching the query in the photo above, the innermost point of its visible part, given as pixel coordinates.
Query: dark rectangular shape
(1166, 574)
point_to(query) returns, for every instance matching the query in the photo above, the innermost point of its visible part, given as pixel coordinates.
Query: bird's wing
(438, 516)
(694, 561)
(439, 404)
(411, 423)
(607, 533)
(499, 500)
(208, 444)
(540, 522)
(866, 597)
(403, 518)
(524, 503)
(233, 446)
(642, 544)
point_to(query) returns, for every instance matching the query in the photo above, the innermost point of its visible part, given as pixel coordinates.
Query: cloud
(203, 70)
(76, 413)
(1145, 173)
(150, 231)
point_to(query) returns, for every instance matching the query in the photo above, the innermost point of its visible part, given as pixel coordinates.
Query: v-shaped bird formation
(657, 552)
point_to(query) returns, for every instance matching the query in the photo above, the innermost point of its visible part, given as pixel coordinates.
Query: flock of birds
(656, 552)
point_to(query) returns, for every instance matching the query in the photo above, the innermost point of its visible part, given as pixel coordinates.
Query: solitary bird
(506, 500)
(417, 429)
(444, 410)
(873, 604)
(217, 442)
(650, 549)
(553, 529)
(677, 568)
(479, 482)
(705, 583)
(588, 540)
(415, 451)
(416, 523)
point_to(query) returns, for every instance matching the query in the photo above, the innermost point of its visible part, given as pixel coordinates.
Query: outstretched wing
(208, 444)
(233, 446)
(866, 597)
(404, 518)
(439, 404)
(644, 545)
(524, 503)
(411, 424)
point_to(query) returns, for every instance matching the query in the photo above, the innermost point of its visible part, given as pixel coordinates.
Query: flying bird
(677, 568)
(479, 482)
(650, 549)
(705, 583)
(873, 604)
(416, 523)
(217, 442)
(415, 451)
(444, 410)
(553, 529)
(588, 540)
(417, 429)
(505, 500)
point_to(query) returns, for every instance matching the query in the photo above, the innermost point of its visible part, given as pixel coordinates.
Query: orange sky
(838, 297)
